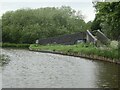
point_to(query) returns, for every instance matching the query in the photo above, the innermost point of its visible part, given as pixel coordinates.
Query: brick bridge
(70, 39)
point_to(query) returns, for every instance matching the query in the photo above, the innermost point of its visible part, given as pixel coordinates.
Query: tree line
(107, 19)
(27, 25)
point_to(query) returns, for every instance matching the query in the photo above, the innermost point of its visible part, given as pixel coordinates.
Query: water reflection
(107, 75)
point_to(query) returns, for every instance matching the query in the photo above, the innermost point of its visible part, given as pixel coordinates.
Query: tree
(27, 25)
(108, 18)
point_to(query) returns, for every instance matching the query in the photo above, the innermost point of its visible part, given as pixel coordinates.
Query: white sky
(85, 6)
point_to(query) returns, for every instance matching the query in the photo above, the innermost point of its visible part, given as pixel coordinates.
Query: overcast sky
(85, 6)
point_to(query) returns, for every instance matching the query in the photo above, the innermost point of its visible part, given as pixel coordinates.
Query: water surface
(28, 69)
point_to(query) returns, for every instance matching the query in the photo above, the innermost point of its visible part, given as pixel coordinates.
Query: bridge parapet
(90, 37)
(102, 37)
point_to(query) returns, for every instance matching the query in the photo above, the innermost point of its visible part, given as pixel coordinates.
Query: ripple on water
(29, 69)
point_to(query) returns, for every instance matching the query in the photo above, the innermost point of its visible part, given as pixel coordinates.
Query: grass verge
(86, 50)
(13, 45)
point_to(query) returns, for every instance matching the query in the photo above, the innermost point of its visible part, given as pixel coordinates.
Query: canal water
(28, 69)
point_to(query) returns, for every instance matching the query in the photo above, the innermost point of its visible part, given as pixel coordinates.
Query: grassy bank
(13, 45)
(85, 50)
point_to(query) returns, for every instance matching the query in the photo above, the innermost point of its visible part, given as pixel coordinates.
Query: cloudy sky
(85, 6)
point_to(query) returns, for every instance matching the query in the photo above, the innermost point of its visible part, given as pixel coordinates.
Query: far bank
(108, 54)
(81, 50)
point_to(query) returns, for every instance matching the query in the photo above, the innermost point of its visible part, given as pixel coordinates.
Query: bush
(4, 59)
(13, 45)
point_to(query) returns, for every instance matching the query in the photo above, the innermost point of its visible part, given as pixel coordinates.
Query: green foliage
(114, 44)
(0, 30)
(13, 45)
(107, 18)
(96, 24)
(4, 59)
(27, 25)
(88, 25)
